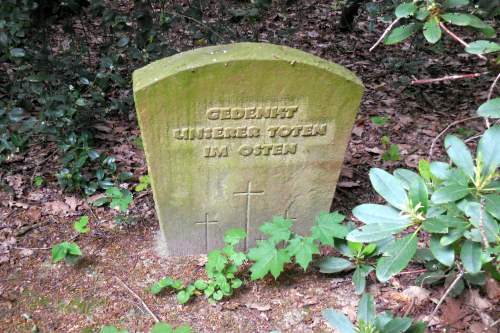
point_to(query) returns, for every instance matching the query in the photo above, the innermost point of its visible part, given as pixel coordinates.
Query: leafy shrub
(368, 321)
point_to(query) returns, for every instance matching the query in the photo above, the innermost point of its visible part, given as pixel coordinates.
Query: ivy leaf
(303, 249)
(432, 31)
(490, 109)
(488, 150)
(334, 265)
(267, 259)
(278, 229)
(401, 33)
(338, 321)
(459, 154)
(81, 225)
(406, 9)
(444, 254)
(470, 255)
(389, 187)
(398, 256)
(328, 226)
(482, 47)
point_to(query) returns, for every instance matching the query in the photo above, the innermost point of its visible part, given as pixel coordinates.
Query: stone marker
(236, 134)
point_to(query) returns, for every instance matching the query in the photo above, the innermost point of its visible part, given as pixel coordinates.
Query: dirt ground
(36, 294)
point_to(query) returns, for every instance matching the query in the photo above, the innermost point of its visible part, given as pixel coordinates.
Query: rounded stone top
(191, 60)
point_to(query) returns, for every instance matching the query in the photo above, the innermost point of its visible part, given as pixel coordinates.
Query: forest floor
(34, 292)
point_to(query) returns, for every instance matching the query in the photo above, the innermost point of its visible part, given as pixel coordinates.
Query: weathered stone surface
(236, 134)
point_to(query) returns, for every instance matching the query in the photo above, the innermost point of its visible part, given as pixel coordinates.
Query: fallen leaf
(475, 300)
(56, 208)
(418, 294)
(492, 289)
(259, 307)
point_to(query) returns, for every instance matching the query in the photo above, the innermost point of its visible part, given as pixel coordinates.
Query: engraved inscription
(206, 222)
(250, 132)
(248, 193)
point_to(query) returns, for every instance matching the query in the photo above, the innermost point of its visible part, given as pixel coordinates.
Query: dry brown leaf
(56, 208)
(259, 307)
(475, 300)
(418, 294)
(492, 289)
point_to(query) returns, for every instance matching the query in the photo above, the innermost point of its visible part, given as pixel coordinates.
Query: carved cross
(206, 222)
(248, 193)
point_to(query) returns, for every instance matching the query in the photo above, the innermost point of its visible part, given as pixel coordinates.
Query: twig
(481, 224)
(386, 31)
(490, 91)
(447, 77)
(414, 272)
(452, 285)
(445, 130)
(458, 39)
(138, 298)
(31, 248)
(487, 328)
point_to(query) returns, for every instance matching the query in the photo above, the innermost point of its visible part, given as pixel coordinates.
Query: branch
(458, 39)
(138, 298)
(481, 225)
(385, 34)
(445, 130)
(450, 288)
(447, 77)
(490, 92)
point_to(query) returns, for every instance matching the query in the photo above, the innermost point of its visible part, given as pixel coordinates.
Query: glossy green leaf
(398, 255)
(452, 237)
(440, 170)
(435, 225)
(366, 309)
(389, 187)
(432, 31)
(359, 277)
(488, 150)
(406, 176)
(375, 232)
(470, 255)
(459, 154)
(455, 3)
(401, 33)
(482, 47)
(492, 205)
(490, 108)
(449, 193)
(397, 325)
(457, 19)
(338, 321)
(334, 265)
(406, 9)
(444, 254)
(373, 213)
(303, 249)
(419, 195)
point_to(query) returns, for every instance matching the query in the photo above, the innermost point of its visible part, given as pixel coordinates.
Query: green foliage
(81, 225)
(112, 329)
(221, 269)
(368, 321)
(117, 198)
(283, 246)
(38, 181)
(69, 252)
(144, 183)
(490, 109)
(456, 205)
(433, 14)
(391, 152)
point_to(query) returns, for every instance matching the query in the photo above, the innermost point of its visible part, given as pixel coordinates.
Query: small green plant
(221, 269)
(379, 121)
(368, 321)
(67, 251)
(360, 258)
(38, 181)
(117, 198)
(391, 152)
(144, 183)
(81, 225)
(283, 246)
